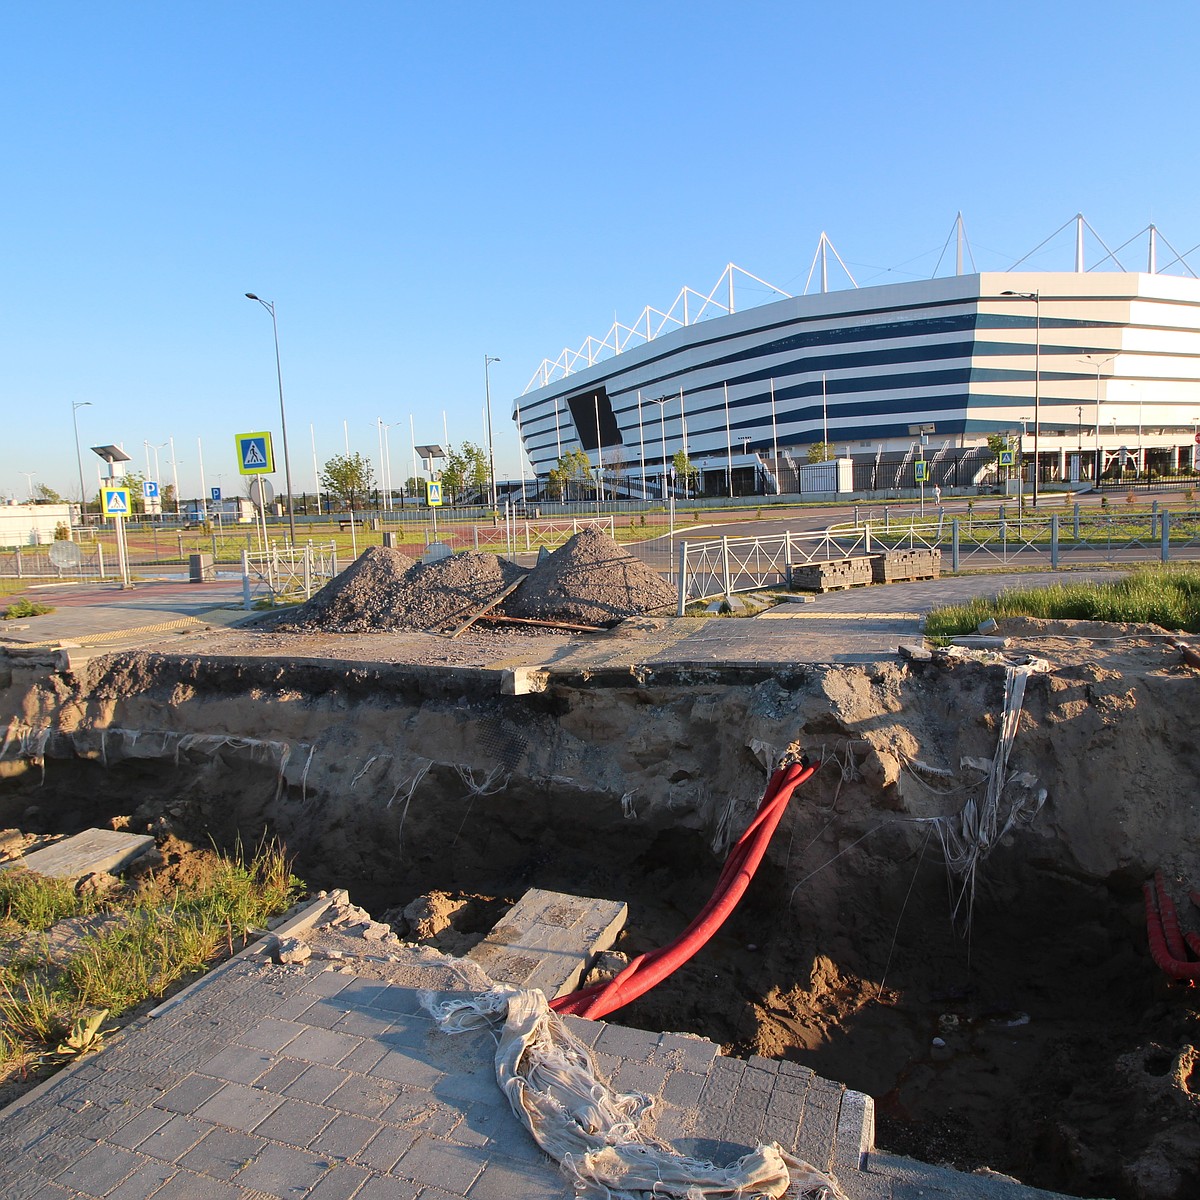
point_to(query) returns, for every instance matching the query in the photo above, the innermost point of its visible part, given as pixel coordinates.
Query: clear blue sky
(418, 185)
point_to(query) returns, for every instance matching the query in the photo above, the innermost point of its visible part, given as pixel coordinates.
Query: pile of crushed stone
(383, 589)
(590, 580)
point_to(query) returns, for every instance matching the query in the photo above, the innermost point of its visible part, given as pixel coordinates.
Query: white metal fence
(286, 573)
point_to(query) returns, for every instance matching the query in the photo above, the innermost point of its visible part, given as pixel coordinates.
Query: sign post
(256, 457)
(114, 502)
(433, 497)
(921, 470)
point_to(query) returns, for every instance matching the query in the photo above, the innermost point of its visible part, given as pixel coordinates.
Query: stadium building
(1093, 374)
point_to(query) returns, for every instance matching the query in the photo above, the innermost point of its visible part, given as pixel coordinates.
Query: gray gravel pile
(383, 589)
(589, 581)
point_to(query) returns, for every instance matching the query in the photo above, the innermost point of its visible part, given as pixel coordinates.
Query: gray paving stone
(442, 1164)
(239, 1064)
(238, 1107)
(688, 1053)
(404, 1068)
(637, 1076)
(389, 1188)
(189, 1094)
(683, 1088)
(271, 1034)
(283, 1171)
(222, 1153)
(322, 1046)
(366, 1097)
(315, 1083)
(625, 1042)
(419, 1111)
(185, 1186)
(364, 1057)
(174, 1138)
(340, 1184)
(294, 1123)
(345, 1136)
(143, 1183)
(325, 983)
(281, 1075)
(100, 1169)
(385, 1149)
(363, 1023)
(503, 1179)
(139, 1127)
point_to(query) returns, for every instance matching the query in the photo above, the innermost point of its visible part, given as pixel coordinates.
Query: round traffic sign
(65, 555)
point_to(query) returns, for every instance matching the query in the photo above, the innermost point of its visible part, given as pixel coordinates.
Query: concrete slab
(548, 939)
(87, 853)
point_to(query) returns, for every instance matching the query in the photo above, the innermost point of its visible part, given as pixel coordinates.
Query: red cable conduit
(1163, 958)
(1170, 920)
(649, 969)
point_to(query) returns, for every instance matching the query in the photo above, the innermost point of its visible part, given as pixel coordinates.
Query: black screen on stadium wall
(584, 408)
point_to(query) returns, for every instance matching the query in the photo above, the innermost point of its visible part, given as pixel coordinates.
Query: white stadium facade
(1097, 373)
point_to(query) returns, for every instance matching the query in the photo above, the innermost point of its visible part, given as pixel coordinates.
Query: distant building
(1109, 362)
(33, 524)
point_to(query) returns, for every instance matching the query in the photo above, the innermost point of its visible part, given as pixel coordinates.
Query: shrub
(24, 608)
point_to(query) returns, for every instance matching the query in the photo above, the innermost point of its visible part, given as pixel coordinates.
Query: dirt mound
(384, 590)
(592, 581)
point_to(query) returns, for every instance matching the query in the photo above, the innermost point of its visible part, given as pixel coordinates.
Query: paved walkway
(858, 625)
(329, 1080)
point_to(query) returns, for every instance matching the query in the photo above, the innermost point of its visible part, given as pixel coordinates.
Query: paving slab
(548, 939)
(91, 852)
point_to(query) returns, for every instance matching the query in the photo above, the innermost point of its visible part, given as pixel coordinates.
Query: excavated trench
(1039, 1041)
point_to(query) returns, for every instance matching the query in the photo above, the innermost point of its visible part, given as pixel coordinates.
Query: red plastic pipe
(649, 969)
(1170, 920)
(1163, 958)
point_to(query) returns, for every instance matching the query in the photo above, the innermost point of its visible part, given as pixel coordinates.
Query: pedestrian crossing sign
(1006, 458)
(433, 494)
(255, 456)
(115, 501)
(922, 471)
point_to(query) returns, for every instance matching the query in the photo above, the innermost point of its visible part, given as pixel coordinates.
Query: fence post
(867, 543)
(682, 578)
(787, 557)
(856, 516)
(475, 531)
(1153, 519)
(527, 545)
(308, 564)
(100, 557)
(954, 544)
(246, 580)
(728, 583)
(886, 518)
(1054, 541)
(1075, 522)
(1166, 535)
(20, 573)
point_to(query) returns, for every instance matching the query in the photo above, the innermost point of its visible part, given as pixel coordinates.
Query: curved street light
(269, 305)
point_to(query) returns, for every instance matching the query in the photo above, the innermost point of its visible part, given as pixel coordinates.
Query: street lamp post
(76, 405)
(1098, 363)
(269, 305)
(1036, 297)
(488, 359)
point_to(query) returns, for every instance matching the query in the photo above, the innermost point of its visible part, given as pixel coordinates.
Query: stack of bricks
(829, 576)
(895, 565)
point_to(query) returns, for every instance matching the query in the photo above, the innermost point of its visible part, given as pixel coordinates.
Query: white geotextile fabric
(550, 1080)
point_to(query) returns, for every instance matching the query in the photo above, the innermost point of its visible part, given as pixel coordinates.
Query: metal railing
(513, 536)
(286, 573)
(720, 567)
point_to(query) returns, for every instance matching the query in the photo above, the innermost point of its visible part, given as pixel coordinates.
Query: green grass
(165, 935)
(25, 608)
(1166, 596)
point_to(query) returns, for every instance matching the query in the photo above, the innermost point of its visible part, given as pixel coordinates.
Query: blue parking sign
(216, 493)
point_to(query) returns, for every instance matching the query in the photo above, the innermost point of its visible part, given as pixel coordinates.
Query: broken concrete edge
(263, 944)
(854, 1138)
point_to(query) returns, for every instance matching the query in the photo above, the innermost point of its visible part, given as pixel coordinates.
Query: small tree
(686, 471)
(348, 477)
(46, 495)
(575, 471)
(820, 452)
